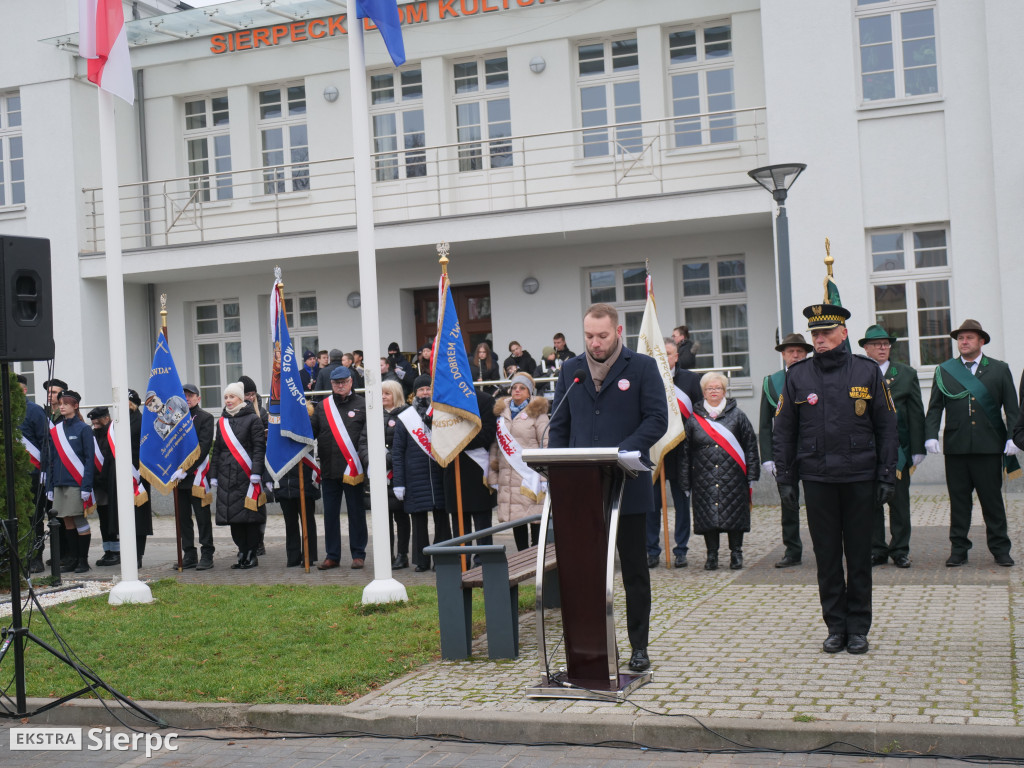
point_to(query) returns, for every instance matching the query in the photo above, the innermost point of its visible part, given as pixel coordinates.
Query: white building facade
(559, 146)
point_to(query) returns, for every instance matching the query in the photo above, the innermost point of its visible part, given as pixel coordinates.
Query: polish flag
(102, 40)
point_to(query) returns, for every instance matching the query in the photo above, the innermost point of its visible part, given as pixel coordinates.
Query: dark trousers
(636, 577)
(108, 525)
(291, 510)
(981, 472)
(246, 536)
(332, 491)
(899, 522)
(681, 502)
(471, 522)
(421, 537)
(711, 541)
(791, 528)
(838, 516)
(524, 538)
(190, 506)
(401, 528)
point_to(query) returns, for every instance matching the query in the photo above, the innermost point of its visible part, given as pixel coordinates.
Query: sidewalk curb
(674, 733)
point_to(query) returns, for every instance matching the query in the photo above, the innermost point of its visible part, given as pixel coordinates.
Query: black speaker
(26, 299)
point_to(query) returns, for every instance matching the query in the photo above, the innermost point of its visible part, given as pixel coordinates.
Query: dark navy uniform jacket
(630, 413)
(36, 429)
(835, 422)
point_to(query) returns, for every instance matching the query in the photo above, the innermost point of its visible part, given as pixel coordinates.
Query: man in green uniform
(905, 390)
(971, 390)
(794, 348)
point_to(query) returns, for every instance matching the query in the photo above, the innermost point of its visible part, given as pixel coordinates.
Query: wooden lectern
(584, 494)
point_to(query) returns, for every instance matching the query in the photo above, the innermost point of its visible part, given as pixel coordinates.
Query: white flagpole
(384, 588)
(129, 589)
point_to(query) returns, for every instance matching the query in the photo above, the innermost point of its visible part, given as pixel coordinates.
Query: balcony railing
(599, 163)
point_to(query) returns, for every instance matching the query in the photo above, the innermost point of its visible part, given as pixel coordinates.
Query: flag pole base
(130, 592)
(385, 591)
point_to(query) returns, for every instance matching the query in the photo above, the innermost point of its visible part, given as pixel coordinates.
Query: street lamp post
(777, 179)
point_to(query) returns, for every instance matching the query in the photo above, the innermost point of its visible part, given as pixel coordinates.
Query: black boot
(711, 564)
(68, 550)
(736, 559)
(241, 559)
(82, 563)
(140, 547)
(250, 560)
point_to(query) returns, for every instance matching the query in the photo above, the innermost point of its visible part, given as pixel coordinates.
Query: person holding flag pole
(289, 431)
(384, 14)
(651, 342)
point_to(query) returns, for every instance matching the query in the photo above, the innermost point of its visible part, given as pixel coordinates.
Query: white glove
(399, 372)
(400, 494)
(271, 485)
(86, 496)
(213, 483)
(751, 484)
(917, 458)
(49, 495)
(932, 446)
(255, 479)
(179, 475)
(1011, 448)
(769, 466)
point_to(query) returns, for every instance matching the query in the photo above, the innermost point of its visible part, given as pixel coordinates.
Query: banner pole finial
(442, 251)
(829, 261)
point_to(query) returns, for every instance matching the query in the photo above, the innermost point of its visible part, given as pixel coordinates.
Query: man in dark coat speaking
(619, 402)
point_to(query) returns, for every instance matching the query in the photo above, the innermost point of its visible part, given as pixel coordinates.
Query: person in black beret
(53, 389)
(105, 486)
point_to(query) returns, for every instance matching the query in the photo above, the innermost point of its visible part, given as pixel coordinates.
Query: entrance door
(473, 306)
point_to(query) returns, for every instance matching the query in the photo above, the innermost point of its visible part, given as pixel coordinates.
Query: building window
(483, 115)
(218, 337)
(714, 308)
(910, 278)
(284, 140)
(700, 68)
(396, 110)
(898, 56)
(609, 82)
(302, 327)
(12, 162)
(208, 147)
(625, 288)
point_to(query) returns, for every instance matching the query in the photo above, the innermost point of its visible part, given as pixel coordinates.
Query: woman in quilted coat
(718, 465)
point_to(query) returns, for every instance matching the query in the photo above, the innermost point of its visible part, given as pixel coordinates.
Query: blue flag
(289, 432)
(456, 414)
(384, 14)
(168, 441)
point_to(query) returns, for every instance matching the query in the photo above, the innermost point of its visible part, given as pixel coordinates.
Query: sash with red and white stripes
(71, 462)
(685, 404)
(725, 439)
(254, 496)
(201, 482)
(532, 485)
(420, 432)
(34, 455)
(141, 497)
(314, 468)
(354, 468)
(98, 458)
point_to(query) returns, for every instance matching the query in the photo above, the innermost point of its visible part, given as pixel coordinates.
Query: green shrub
(23, 500)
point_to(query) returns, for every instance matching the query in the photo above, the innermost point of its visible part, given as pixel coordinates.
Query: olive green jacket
(967, 428)
(905, 390)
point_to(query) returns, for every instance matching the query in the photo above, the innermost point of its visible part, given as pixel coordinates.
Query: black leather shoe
(422, 568)
(954, 561)
(735, 560)
(1004, 560)
(857, 644)
(639, 662)
(711, 564)
(879, 560)
(902, 561)
(400, 562)
(680, 561)
(652, 561)
(834, 643)
(787, 562)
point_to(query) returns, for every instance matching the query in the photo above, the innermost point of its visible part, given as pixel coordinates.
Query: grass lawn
(256, 644)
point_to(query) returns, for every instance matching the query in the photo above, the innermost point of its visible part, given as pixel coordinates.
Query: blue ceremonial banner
(168, 442)
(289, 432)
(384, 14)
(456, 415)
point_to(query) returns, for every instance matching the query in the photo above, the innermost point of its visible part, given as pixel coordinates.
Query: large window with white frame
(625, 288)
(898, 53)
(399, 136)
(910, 281)
(12, 161)
(714, 308)
(284, 140)
(217, 331)
(609, 85)
(302, 324)
(483, 113)
(208, 147)
(700, 69)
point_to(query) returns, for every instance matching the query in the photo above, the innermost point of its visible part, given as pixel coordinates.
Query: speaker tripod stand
(17, 635)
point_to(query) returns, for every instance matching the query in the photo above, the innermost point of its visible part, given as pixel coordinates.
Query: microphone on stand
(580, 376)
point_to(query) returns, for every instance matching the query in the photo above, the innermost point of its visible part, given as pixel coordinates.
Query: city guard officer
(905, 390)
(835, 429)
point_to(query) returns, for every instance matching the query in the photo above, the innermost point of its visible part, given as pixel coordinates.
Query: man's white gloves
(1011, 448)
(400, 493)
(932, 446)
(769, 467)
(917, 458)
